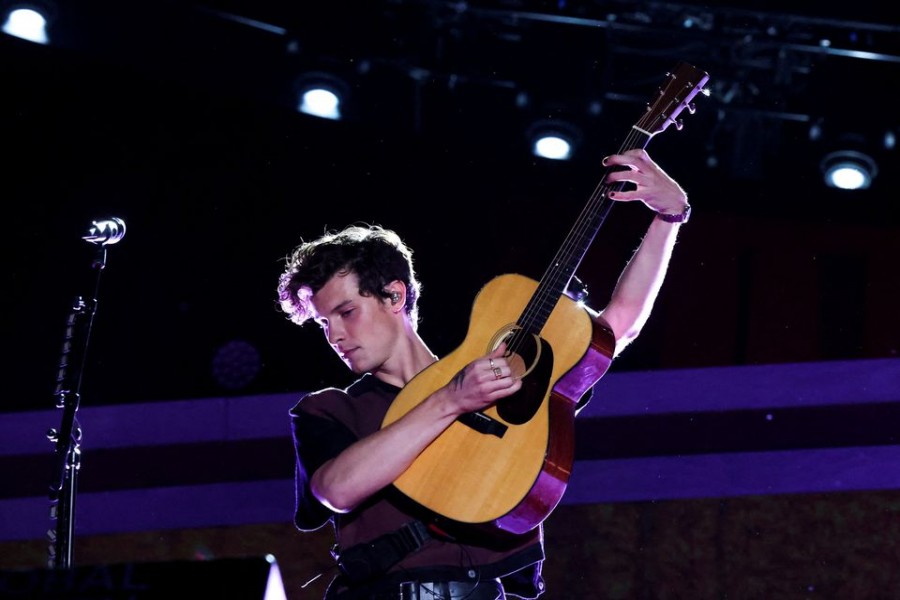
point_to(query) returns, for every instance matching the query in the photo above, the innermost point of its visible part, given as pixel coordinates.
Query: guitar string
(554, 273)
(597, 202)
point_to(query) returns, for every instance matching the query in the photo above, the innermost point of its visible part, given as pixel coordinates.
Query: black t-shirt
(328, 421)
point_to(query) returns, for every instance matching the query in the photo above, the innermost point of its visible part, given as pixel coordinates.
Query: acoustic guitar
(507, 467)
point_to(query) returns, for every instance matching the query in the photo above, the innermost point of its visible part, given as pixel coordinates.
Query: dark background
(179, 119)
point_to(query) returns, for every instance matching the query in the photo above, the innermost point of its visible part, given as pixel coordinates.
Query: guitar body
(513, 474)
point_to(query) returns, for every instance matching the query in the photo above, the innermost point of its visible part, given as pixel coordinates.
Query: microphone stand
(67, 439)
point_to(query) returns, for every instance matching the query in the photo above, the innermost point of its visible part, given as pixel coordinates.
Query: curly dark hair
(377, 255)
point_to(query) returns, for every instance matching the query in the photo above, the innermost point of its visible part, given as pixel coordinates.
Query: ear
(396, 292)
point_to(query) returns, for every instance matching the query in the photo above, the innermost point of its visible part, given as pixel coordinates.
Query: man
(359, 285)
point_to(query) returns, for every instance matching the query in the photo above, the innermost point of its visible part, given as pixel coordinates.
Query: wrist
(680, 217)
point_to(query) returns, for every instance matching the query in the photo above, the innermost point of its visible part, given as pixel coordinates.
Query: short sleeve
(317, 439)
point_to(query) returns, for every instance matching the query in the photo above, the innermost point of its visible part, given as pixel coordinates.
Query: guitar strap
(364, 561)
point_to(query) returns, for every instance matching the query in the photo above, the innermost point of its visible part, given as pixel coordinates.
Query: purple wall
(696, 433)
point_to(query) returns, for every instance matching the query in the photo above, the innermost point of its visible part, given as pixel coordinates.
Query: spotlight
(554, 140)
(552, 146)
(320, 102)
(28, 20)
(321, 95)
(848, 170)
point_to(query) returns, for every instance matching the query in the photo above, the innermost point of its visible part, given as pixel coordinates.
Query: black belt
(444, 590)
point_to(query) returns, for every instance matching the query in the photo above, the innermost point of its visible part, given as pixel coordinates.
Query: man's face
(362, 329)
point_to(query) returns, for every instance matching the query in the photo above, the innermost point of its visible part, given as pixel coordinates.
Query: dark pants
(425, 590)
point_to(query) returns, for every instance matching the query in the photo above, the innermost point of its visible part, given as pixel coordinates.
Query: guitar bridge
(482, 423)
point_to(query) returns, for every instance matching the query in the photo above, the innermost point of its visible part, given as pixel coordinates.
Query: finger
(635, 178)
(621, 196)
(505, 387)
(495, 368)
(499, 351)
(630, 158)
(616, 159)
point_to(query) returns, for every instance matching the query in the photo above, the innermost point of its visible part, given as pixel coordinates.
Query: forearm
(639, 284)
(377, 460)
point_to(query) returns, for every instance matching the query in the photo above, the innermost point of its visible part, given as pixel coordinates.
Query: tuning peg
(691, 108)
(678, 124)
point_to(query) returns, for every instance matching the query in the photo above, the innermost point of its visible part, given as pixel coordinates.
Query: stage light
(551, 146)
(321, 95)
(554, 139)
(28, 22)
(848, 170)
(320, 102)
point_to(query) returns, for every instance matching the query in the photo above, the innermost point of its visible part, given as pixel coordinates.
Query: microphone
(106, 232)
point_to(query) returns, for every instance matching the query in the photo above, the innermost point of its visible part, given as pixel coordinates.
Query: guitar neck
(567, 260)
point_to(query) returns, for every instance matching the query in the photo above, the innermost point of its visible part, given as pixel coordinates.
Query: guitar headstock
(675, 95)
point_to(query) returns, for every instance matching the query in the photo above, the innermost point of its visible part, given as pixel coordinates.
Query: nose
(334, 334)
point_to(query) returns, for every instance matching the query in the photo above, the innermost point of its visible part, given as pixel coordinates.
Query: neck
(411, 359)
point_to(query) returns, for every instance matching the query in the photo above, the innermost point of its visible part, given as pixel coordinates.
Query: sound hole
(532, 360)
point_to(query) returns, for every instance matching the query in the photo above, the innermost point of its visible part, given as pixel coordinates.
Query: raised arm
(635, 292)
